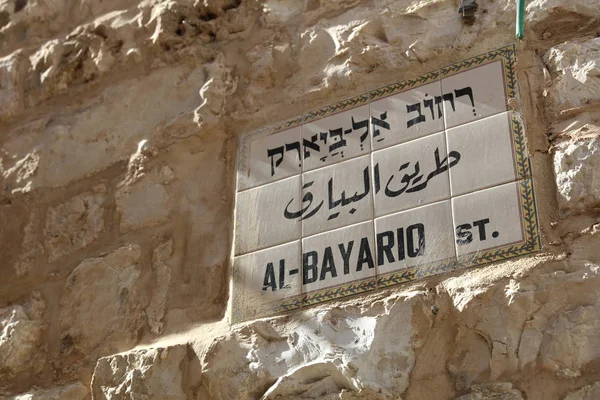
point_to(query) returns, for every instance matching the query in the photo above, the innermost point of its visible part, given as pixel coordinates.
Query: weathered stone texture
(21, 347)
(118, 124)
(577, 169)
(155, 311)
(141, 374)
(499, 391)
(12, 71)
(590, 392)
(575, 67)
(75, 391)
(75, 224)
(102, 289)
(143, 204)
(32, 248)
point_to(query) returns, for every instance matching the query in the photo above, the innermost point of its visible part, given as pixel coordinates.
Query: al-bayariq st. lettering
(391, 246)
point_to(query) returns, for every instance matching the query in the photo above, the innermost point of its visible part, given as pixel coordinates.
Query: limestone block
(313, 381)
(220, 84)
(156, 310)
(103, 130)
(40, 17)
(75, 391)
(489, 342)
(539, 11)
(21, 329)
(143, 204)
(575, 70)
(31, 248)
(526, 322)
(74, 224)
(20, 156)
(496, 391)
(100, 300)
(470, 360)
(577, 171)
(12, 69)
(571, 341)
(140, 374)
(331, 352)
(590, 392)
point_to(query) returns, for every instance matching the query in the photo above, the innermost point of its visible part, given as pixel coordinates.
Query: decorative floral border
(339, 291)
(403, 86)
(531, 241)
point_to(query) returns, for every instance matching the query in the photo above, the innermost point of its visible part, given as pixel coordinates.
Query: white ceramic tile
(486, 154)
(336, 138)
(266, 277)
(261, 215)
(271, 158)
(487, 219)
(406, 116)
(340, 256)
(411, 174)
(336, 196)
(420, 236)
(474, 94)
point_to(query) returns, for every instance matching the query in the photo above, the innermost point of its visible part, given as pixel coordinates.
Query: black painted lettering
(364, 255)
(309, 267)
(400, 241)
(346, 255)
(481, 225)
(419, 230)
(463, 234)
(269, 281)
(388, 238)
(328, 264)
(281, 274)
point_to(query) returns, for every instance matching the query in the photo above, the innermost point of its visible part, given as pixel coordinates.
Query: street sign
(414, 179)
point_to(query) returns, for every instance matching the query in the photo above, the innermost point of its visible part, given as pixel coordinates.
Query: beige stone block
(142, 204)
(74, 224)
(100, 299)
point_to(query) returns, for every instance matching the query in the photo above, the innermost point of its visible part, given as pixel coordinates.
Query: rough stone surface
(577, 169)
(74, 224)
(75, 391)
(115, 276)
(21, 348)
(585, 393)
(145, 201)
(155, 312)
(500, 391)
(340, 349)
(32, 248)
(141, 374)
(12, 70)
(575, 69)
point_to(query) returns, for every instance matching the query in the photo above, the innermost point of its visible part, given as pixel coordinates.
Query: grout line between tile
(304, 115)
(372, 194)
(449, 180)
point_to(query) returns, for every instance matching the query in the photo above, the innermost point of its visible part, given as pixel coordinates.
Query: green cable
(520, 18)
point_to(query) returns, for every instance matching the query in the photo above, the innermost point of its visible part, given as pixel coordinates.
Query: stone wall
(118, 129)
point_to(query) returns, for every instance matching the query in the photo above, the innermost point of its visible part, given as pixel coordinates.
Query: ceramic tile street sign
(414, 179)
